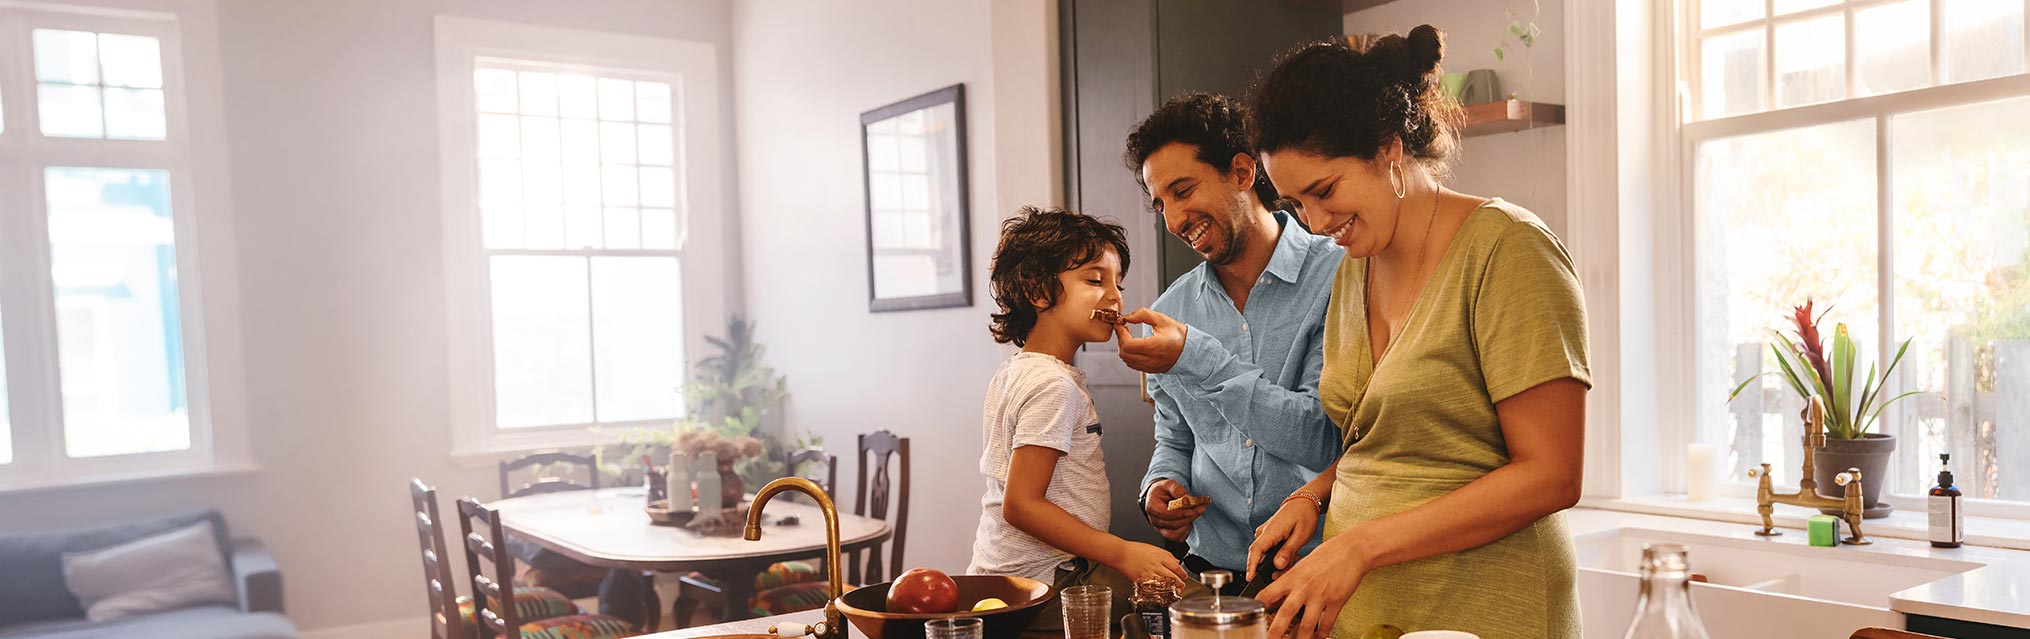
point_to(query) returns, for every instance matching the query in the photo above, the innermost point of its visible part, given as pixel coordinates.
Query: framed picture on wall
(913, 167)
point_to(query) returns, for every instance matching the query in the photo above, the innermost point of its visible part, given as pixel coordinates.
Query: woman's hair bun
(1427, 47)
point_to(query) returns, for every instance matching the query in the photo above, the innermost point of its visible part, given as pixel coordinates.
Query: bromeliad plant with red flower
(1814, 371)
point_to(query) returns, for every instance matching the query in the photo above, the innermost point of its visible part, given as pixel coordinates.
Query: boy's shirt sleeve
(1049, 414)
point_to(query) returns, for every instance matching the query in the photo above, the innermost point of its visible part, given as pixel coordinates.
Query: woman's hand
(1291, 527)
(1308, 596)
(1141, 562)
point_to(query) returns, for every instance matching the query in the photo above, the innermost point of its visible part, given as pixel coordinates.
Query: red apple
(922, 591)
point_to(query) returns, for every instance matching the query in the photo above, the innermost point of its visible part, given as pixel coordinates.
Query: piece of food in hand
(1109, 316)
(1189, 501)
(990, 603)
(1383, 631)
(922, 591)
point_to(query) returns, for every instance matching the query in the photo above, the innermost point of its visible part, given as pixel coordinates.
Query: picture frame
(915, 178)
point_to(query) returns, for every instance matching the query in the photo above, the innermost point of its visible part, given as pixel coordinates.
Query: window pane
(620, 186)
(658, 229)
(658, 187)
(1811, 61)
(495, 89)
(66, 56)
(1714, 13)
(131, 61)
(1780, 218)
(1784, 7)
(119, 330)
(539, 93)
(616, 99)
(623, 228)
(542, 341)
(656, 145)
(1980, 38)
(652, 101)
(1731, 73)
(69, 111)
(583, 226)
(581, 184)
(1893, 42)
(499, 137)
(135, 114)
(577, 97)
(581, 141)
(1962, 267)
(637, 315)
(539, 138)
(616, 142)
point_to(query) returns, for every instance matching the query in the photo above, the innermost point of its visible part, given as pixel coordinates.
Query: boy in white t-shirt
(1045, 512)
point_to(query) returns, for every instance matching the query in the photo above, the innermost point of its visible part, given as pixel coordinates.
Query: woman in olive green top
(1455, 366)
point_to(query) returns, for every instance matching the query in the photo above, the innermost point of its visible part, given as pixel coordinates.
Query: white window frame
(1677, 264)
(692, 69)
(27, 293)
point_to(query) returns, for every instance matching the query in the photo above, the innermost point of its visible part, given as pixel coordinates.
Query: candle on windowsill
(1701, 471)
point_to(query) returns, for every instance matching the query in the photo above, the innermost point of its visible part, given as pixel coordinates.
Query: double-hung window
(1872, 156)
(101, 365)
(572, 170)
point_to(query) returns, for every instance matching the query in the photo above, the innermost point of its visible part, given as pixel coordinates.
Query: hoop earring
(1397, 181)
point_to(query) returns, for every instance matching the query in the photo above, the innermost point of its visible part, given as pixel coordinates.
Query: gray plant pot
(1871, 454)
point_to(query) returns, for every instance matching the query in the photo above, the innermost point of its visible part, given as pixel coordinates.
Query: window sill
(1903, 524)
(48, 484)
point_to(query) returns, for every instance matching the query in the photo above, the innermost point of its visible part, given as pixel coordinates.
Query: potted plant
(1853, 402)
(729, 395)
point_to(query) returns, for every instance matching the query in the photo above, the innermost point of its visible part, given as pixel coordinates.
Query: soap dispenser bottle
(1948, 528)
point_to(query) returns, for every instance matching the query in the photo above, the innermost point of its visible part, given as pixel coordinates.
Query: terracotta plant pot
(1871, 454)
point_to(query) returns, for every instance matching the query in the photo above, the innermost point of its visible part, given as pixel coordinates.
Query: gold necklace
(1417, 270)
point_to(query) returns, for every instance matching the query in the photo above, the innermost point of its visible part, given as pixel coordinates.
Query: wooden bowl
(867, 607)
(659, 513)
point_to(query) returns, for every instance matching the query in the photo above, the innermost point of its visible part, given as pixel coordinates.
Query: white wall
(803, 72)
(331, 137)
(1526, 167)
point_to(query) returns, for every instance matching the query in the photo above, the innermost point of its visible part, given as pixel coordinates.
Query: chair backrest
(486, 545)
(817, 455)
(437, 580)
(873, 499)
(546, 481)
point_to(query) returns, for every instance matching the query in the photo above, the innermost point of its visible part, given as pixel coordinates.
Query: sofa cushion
(158, 573)
(34, 589)
(203, 622)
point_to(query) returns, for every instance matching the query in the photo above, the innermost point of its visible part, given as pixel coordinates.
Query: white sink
(1756, 587)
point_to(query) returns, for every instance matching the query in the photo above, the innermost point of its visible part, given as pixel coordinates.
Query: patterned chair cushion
(808, 595)
(577, 627)
(530, 604)
(779, 574)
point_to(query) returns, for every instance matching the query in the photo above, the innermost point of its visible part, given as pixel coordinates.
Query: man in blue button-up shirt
(1235, 345)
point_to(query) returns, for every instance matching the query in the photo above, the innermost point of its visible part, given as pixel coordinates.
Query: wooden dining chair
(873, 499)
(548, 479)
(699, 589)
(557, 472)
(486, 547)
(1876, 632)
(452, 616)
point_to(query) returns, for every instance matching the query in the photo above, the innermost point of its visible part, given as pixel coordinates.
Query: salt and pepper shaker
(678, 480)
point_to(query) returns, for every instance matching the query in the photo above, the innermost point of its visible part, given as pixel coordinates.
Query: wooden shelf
(1510, 115)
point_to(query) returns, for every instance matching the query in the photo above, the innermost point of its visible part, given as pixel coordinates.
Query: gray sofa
(35, 604)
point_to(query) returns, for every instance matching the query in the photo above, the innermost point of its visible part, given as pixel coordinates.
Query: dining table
(611, 528)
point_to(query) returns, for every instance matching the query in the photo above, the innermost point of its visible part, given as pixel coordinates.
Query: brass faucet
(1850, 503)
(835, 622)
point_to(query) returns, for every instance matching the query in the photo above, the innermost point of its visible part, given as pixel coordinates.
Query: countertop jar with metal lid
(1217, 617)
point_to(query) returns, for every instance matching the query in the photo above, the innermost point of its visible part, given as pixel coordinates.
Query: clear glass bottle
(1664, 610)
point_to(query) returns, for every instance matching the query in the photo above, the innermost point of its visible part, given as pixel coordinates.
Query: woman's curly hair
(1036, 246)
(1329, 99)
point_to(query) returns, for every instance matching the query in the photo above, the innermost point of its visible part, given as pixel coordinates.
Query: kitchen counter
(1996, 593)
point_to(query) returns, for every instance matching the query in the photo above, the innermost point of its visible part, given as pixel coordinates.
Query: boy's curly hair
(1036, 246)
